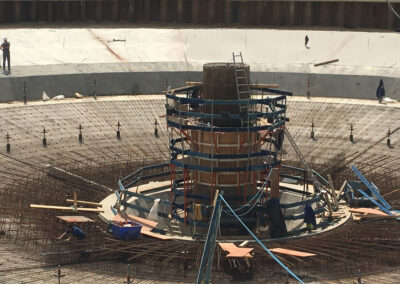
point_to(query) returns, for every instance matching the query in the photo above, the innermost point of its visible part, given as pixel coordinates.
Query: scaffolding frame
(181, 120)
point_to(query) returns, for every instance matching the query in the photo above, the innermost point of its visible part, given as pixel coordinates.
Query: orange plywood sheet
(75, 219)
(132, 218)
(234, 251)
(368, 211)
(292, 252)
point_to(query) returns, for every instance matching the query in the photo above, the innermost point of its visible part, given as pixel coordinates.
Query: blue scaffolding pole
(204, 273)
(372, 188)
(261, 244)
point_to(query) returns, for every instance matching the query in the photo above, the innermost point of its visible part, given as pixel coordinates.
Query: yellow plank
(50, 207)
(53, 207)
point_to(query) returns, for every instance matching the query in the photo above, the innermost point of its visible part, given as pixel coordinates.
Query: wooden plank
(42, 206)
(326, 62)
(292, 252)
(368, 211)
(274, 181)
(341, 189)
(75, 219)
(147, 231)
(335, 200)
(50, 207)
(261, 86)
(373, 216)
(85, 202)
(328, 203)
(234, 251)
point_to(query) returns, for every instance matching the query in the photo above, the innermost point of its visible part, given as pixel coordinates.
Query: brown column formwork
(219, 83)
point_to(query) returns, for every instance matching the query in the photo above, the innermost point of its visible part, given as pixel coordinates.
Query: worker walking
(5, 47)
(309, 217)
(380, 91)
(306, 40)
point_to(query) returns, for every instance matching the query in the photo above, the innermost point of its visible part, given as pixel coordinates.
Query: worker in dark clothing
(73, 231)
(306, 41)
(309, 217)
(195, 95)
(380, 91)
(5, 47)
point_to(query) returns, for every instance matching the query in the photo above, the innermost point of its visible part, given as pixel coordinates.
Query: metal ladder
(242, 85)
(243, 92)
(310, 173)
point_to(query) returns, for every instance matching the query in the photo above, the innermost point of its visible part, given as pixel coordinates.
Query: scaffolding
(260, 137)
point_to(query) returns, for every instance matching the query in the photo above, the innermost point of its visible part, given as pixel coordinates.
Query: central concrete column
(219, 82)
(227, 11)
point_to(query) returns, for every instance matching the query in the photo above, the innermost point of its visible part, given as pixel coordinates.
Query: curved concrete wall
(121, 83)
(117, 83)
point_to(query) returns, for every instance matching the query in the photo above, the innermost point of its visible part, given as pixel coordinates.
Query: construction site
(186, 141)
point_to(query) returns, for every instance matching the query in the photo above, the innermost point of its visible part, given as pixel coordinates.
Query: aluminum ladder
(243, 92)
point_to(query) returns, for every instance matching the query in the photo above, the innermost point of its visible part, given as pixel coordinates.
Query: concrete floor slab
(262, 48)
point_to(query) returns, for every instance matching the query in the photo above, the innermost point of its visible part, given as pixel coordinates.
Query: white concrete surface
(67, 60)
(364, 53)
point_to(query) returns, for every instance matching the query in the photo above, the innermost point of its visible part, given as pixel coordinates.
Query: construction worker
(306, 40)
(309, 217)
(380, 91)
(73, 231)
(5, 47)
